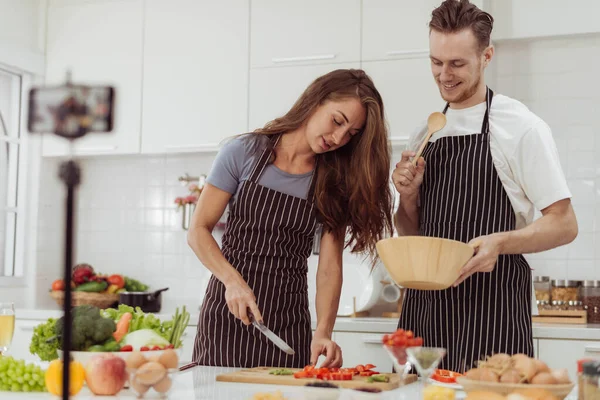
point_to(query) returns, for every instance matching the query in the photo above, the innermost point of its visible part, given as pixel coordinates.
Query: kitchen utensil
(424, 263)
(435, 123)
(425, 360)
(272, 337)
(390, 293)
(149, 302)
(363, 291)
(260, 375)
(399, 360)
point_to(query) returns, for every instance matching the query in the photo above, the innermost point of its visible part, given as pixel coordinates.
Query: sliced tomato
(322, 371)
(445, 376)
(301, 374)
(334, 370)
(369, 366)
(360, 368)
(144, 348)
(369, 373)
(347, 376)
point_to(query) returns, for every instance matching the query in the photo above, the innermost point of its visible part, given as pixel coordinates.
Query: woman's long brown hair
(352, 191)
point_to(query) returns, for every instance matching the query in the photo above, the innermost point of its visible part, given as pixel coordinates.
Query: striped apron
(462, 198)
(268, 240)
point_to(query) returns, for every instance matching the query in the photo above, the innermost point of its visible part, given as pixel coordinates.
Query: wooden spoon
(435, 123)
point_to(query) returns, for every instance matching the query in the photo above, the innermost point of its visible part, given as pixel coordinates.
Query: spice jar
(543, 304)
(580, 382)
(591, 380)
(564, 290)
(590, 297)
(541, 285)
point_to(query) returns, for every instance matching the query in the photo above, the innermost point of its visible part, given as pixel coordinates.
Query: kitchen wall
(557, 79)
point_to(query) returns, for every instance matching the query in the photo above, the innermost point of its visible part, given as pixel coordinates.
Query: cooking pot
(149, 302)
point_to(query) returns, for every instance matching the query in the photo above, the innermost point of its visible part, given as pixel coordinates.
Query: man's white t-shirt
(523, 151)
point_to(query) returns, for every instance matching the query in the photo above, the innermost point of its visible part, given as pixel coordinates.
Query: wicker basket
(100, 300)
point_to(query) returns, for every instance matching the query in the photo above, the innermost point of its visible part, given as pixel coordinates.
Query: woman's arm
(210, 208)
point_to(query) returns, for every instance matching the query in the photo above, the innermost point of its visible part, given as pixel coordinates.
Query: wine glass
(425, 360)
(7, 325)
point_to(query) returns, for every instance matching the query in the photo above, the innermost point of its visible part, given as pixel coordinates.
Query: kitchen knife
(272, 337)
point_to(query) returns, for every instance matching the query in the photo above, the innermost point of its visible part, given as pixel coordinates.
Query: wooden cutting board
(261, 375)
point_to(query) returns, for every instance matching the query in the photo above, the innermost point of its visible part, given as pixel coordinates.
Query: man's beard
(465, 95)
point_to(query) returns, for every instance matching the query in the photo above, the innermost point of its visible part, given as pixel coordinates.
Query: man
(479, 181)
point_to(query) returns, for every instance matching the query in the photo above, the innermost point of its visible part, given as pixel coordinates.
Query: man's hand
(406, 177)
(322, 345)
(487, 249)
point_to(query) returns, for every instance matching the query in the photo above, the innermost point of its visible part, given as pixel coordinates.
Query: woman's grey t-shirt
(234, 164)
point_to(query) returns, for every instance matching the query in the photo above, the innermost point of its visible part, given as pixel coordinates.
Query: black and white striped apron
(268, 240)
(462, 197)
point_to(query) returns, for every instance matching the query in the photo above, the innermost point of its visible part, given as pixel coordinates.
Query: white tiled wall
(127, 223)
(557, 79)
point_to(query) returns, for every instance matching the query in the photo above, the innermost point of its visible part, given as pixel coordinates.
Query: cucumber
(92, 287)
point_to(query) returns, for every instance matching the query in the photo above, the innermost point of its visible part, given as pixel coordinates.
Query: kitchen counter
(200, 383)
(372, 325)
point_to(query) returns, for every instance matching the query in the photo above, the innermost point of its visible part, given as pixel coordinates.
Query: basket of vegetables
(91, 288)
(116, 331)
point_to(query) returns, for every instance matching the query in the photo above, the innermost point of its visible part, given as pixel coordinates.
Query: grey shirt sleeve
(227, 169)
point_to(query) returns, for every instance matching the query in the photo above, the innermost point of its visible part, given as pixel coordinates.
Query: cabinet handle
(409, 53)
(592, 349)
(205, 148)
(303, 58)
(96, 149)
(373, 339)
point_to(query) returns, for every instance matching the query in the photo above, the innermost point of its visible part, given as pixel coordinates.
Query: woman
(326, 161)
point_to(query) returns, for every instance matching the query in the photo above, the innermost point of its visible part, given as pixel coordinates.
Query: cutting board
(261, 375)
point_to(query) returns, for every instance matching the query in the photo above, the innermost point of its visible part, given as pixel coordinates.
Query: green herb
(44, 342)
(378, 378)
(180, 322)
(281, 371)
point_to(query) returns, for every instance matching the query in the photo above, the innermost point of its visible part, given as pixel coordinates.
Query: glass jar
(541, 285)
(580, 381)
(591, 380)
(565, 290)
(590, 297)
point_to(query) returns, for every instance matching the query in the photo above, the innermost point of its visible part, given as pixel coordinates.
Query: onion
(561, 375)
(543, 378)
(511, 376)
(525, 365)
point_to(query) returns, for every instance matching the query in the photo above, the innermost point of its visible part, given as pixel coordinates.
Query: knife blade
(273, 337)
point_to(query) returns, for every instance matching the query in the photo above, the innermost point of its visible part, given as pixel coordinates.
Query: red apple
(106, 374)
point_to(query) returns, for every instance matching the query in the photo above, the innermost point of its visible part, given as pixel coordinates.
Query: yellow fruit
(54, 376)
(438, 393)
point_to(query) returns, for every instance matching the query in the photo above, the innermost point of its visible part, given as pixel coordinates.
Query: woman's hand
(240, 299)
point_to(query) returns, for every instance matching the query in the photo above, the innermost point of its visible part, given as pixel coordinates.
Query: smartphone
(72, 110)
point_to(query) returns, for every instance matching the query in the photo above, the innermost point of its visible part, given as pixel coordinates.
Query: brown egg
(511, 376)
(169, 359)
(138, 387)
(488, 375)
(543, 378)
(163, 385)
(150, 373)
(135, 360)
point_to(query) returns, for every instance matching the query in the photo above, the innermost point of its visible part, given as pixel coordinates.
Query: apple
(106, 374)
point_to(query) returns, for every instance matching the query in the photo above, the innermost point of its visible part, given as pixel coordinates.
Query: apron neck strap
(264, 158)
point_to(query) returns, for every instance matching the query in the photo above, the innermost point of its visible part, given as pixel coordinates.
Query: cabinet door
(363, 348)
(309, 31)
(195, 74)
(19, 348)
(393, 28)
(273, 91)
(101, 44)
(409, 93)
(565, 353)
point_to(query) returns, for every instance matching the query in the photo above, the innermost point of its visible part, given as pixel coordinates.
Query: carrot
(122, 326)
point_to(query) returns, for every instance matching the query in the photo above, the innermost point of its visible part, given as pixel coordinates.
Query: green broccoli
(89, 327)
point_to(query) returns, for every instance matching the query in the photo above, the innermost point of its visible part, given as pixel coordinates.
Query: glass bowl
(151, 379)
(400, 360)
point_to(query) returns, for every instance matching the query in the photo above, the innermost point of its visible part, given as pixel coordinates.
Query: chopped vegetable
(445, 376)
(281, 371)
(44, 342)
(378, 378)
(122, 326)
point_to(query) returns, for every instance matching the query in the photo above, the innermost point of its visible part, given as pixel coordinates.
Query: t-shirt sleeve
(228, 167)
(536, 167)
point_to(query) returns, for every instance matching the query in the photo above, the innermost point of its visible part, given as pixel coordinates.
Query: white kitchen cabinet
(195, 89)
(363, 348)
(559, 353)
(396, 29)
(19, 348)
(409, 93)
(273, 91)
(100, 42)
(300, 32)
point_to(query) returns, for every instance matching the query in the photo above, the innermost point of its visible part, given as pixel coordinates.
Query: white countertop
(373, 325)
(200, 383)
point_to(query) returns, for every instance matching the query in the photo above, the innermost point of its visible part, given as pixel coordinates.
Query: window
(11, 149)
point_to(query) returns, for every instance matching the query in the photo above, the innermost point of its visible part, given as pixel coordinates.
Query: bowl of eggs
(151, 372)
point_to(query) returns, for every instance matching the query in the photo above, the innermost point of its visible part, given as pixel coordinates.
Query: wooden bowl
(560, 390)
(100, 300)
(424, 263)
